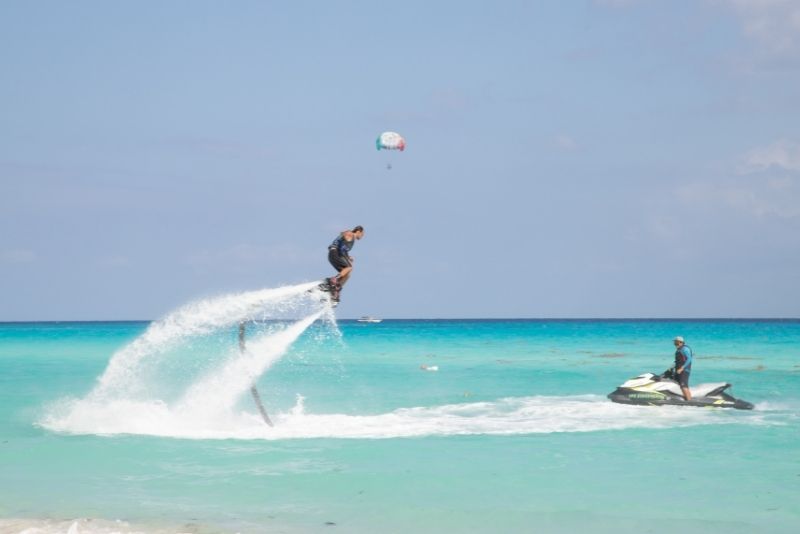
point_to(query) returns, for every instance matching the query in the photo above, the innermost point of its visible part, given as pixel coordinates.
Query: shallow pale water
(513, 433)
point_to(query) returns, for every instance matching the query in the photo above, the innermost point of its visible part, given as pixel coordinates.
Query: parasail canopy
(390, 141)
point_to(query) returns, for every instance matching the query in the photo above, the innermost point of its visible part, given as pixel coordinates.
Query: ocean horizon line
(444, 319)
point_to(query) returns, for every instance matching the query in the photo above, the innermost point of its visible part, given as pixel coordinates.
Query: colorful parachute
(390, 141)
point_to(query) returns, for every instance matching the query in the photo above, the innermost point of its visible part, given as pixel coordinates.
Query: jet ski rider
(683, 366)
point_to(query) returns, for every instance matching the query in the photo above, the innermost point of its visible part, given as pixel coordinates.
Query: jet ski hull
(626, 396)
(656, 390)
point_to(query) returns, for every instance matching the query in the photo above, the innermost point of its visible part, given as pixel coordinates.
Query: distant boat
(368, 319)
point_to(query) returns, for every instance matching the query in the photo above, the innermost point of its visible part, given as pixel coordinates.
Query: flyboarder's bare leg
(344, 275)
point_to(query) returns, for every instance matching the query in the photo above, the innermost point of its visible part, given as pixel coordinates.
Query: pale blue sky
(565, 159)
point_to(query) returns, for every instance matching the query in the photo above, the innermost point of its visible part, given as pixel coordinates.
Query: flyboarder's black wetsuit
(338, 253)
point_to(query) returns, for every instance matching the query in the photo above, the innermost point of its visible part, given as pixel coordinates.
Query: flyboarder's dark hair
(358, 229)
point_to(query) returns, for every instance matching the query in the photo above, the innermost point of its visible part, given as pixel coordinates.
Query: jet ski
(649, 389)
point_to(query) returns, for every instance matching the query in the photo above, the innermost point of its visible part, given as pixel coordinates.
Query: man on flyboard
(339, 256)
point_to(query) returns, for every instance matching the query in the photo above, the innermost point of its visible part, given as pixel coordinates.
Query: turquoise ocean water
(512, 433)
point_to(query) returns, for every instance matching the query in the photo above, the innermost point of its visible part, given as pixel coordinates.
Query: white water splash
(125, 400)
(218, 392)
(194, 319)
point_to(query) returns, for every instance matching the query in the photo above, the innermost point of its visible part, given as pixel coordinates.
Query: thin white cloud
(782, 154)
(764, 202)
(767, 184)
(775, 24)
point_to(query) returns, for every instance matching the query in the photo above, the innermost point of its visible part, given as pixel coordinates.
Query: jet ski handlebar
(669, 374)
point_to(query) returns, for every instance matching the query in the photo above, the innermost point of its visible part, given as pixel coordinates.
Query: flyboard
(331, 289)
(253, 390)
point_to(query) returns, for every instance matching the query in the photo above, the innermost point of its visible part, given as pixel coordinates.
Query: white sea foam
(509, 416)
(89, 526)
